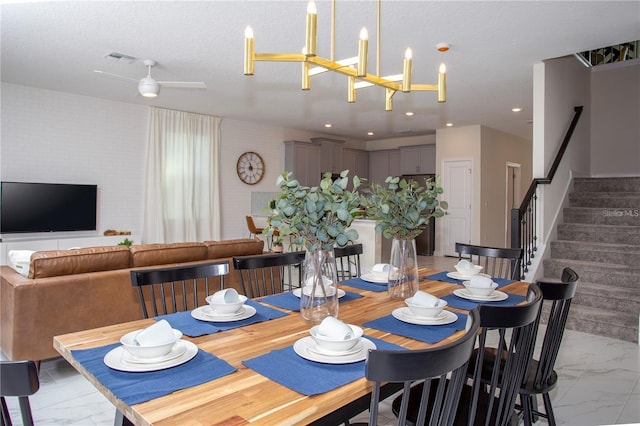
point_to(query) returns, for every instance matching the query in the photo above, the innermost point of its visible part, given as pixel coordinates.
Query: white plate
(296, 292)
(457, 276)
(327, 352)
(200, 313)
(377, 278)
(115, 359)
(177, 350)
(306, 348)
(405, 315)
(496, 296)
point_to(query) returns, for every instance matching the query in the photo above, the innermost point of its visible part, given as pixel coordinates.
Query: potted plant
(317, 218)
(401, 208)
(277, 246)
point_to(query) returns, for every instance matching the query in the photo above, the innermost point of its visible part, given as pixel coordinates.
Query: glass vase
(403, 269)
(319, 295)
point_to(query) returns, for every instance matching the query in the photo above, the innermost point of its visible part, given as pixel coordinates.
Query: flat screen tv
(47, 207)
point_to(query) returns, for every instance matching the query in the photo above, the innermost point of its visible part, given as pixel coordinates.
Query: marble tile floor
(599, 385)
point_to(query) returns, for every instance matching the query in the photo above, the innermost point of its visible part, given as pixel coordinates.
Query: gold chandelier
(354, 68)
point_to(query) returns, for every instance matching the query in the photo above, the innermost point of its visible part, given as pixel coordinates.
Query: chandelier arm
(336, 67)
(280, 57)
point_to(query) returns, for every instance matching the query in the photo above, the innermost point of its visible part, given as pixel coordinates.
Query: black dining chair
(18, 379)
(542, 378)
(496, 261)
(348, 261)
(511, 330)
(444, 366)
(264, 274)
(177, 289)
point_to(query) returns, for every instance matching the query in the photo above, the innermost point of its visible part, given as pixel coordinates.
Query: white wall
(566, 85)
(615, 119)
(58, 137)
(497, 149)
(62, 138)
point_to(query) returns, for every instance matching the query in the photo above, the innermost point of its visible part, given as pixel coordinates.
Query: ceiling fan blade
(117, 76)
(184, 84)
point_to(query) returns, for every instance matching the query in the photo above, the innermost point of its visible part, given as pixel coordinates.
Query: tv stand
(58, 242)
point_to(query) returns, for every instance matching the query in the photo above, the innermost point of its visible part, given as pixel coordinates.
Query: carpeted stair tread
(612, 184)
(609, 253)
(603, 323)
(600, 216)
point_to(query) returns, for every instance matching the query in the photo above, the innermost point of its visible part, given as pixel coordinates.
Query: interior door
(456, 223)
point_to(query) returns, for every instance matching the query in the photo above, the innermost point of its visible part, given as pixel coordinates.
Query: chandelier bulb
(364, 34)
(443, 68)
(248, 32)
(408, 54)
(311, 7)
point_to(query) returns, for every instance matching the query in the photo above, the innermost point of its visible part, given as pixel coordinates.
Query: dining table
(250, 390)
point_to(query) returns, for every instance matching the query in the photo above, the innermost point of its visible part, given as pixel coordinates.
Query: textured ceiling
(494, 44)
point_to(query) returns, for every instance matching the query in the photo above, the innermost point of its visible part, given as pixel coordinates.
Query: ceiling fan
(149, 87)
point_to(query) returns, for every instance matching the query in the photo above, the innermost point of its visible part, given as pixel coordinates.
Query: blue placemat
(289, 301)
(424, 333)
(442, 276)
(289, 369)
(460, 303)
(364, 285)
(134, 388)
(190, 326)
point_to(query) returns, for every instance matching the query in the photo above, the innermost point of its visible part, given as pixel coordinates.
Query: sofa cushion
(230, 248)
(162, 254)
(54, 263)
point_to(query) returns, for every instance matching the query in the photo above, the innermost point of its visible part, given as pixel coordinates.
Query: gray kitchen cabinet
(382, 164)
(303, 160)
(418, 159)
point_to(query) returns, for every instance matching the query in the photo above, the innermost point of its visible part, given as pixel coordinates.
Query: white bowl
(425, 311)
(336, 345)
(480, 291)
(224, 308)
(154, 351)
(469, 272)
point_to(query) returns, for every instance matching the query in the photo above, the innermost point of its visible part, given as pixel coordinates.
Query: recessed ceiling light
(327, 125)
(370, 133)
(449, 124)
(409, 113)
(516, 109)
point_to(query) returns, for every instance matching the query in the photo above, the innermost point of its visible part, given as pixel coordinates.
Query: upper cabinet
(330, 154)
(418, 160)
(356, 161)
(301, 158)
(383, 164)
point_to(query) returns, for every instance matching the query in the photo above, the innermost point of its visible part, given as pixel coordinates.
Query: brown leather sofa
(79, 289)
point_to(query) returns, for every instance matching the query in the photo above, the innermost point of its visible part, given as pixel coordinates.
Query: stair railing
(524, 219)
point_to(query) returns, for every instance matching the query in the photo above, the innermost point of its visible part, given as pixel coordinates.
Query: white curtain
(182, 187)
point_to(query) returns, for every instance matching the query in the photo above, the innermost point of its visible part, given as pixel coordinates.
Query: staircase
(600, 240)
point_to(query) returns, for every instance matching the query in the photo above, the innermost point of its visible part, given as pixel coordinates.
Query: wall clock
(250, 167)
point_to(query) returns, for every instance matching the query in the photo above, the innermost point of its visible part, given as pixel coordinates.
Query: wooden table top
(246, 397)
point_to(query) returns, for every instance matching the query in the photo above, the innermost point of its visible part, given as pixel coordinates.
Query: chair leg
(526, 409)
(25, 410)
(5, 420)
(551, 418)
(121, 420)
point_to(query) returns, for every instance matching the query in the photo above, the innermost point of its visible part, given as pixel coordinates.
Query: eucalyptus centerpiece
(317, 218)
(401, 208)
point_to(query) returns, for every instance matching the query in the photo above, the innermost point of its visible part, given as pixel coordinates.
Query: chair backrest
(431, 365)
(18, 379)
(253, 229)
(348, 261)
(497, 261)
(265, 274)
(557, 296)
(501, 360)
(179, 288)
